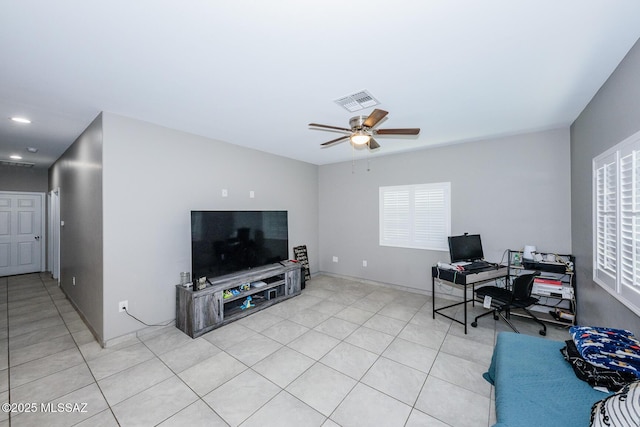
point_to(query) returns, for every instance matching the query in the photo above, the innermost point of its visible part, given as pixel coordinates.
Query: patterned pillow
(618, 410)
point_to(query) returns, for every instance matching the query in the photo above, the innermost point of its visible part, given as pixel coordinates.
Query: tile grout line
(282, 389)
(451, 330)
(379, 356)
(176, 375)
(376, 361)
(6, 296)
(413, 407)
(357, 381)
(95, 381)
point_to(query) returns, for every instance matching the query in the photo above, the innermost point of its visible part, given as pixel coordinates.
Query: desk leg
(433, 296)
(473, 294)
(464, 292)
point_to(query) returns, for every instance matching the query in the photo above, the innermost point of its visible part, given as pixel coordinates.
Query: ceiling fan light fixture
(360, 138)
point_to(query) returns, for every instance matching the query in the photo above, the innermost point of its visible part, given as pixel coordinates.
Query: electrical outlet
(335, 259)
(364, 262)
(73, 280)
(122, 306)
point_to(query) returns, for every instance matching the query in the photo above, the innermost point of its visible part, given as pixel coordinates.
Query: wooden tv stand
(198, 312)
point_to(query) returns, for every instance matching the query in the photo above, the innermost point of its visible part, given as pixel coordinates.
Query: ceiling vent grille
(18, 164)
(357, 101)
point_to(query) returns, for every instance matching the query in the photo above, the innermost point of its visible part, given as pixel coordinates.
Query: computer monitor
(467, 247)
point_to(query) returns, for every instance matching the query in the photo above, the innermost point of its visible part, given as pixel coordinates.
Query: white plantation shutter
(395, 215)
(629, 226)
(416, 216)
(605, 233)
(431, 222)
(616, 238)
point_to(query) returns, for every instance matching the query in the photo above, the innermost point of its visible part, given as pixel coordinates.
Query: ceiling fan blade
(329, 127)
(407, 131)
(373, 144)
(375, 116)
(334, 141)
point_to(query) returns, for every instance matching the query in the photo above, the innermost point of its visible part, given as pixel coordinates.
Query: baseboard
(95, 334)
(374, 282)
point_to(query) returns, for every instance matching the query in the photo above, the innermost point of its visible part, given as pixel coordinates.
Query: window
(616, 221)
(416, 216)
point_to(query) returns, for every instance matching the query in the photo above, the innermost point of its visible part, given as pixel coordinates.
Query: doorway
(22, 243)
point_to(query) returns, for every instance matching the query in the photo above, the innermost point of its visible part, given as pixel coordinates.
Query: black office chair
(504, 300)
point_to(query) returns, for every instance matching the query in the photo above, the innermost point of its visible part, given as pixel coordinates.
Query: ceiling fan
(363, 130)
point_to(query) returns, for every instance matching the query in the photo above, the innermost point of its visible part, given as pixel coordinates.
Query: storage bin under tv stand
(198, 312)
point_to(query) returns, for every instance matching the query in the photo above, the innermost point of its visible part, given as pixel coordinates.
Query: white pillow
(618, 410)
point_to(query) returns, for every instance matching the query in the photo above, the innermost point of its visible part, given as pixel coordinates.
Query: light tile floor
(344, 353)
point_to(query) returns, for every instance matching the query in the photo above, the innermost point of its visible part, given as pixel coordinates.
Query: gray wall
(153, 178)
(611, 116)
(13, 178)
(512, 190)
(78, 174)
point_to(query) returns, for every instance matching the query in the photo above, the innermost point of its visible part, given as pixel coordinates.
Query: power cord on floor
(146, 324)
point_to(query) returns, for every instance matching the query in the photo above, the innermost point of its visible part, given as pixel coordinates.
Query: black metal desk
(463, 279)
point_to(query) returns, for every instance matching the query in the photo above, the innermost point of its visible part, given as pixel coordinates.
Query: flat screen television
(467, 247)
(224, 242)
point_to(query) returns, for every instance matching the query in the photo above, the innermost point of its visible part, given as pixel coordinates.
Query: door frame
(53, 259)
(43, 223)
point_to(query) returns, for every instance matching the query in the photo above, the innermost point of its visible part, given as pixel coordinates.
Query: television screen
(225, 242)
(467, 247)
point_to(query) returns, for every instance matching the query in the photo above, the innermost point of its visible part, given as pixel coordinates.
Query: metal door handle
(37, 237)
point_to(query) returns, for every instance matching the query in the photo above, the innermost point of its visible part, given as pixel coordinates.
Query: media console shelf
(198, 312)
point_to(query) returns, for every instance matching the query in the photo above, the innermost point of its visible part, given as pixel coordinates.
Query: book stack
(547, 287)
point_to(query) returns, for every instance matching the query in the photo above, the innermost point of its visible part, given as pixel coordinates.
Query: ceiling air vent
(357, 101)
(18, 164)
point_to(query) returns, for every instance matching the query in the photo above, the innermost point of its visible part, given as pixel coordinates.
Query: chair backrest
(522, 286)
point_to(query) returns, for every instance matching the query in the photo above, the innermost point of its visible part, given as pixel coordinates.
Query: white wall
(153, 178)
(512, 190)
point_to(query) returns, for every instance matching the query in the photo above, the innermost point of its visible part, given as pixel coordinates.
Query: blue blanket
(609, 348)
(535, 386)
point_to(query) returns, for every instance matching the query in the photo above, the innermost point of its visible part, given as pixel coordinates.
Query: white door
(21, 240)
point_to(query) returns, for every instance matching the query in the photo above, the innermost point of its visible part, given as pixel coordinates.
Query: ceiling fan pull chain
(353, 159)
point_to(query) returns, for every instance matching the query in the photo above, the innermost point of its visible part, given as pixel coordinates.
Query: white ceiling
(255, 73)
